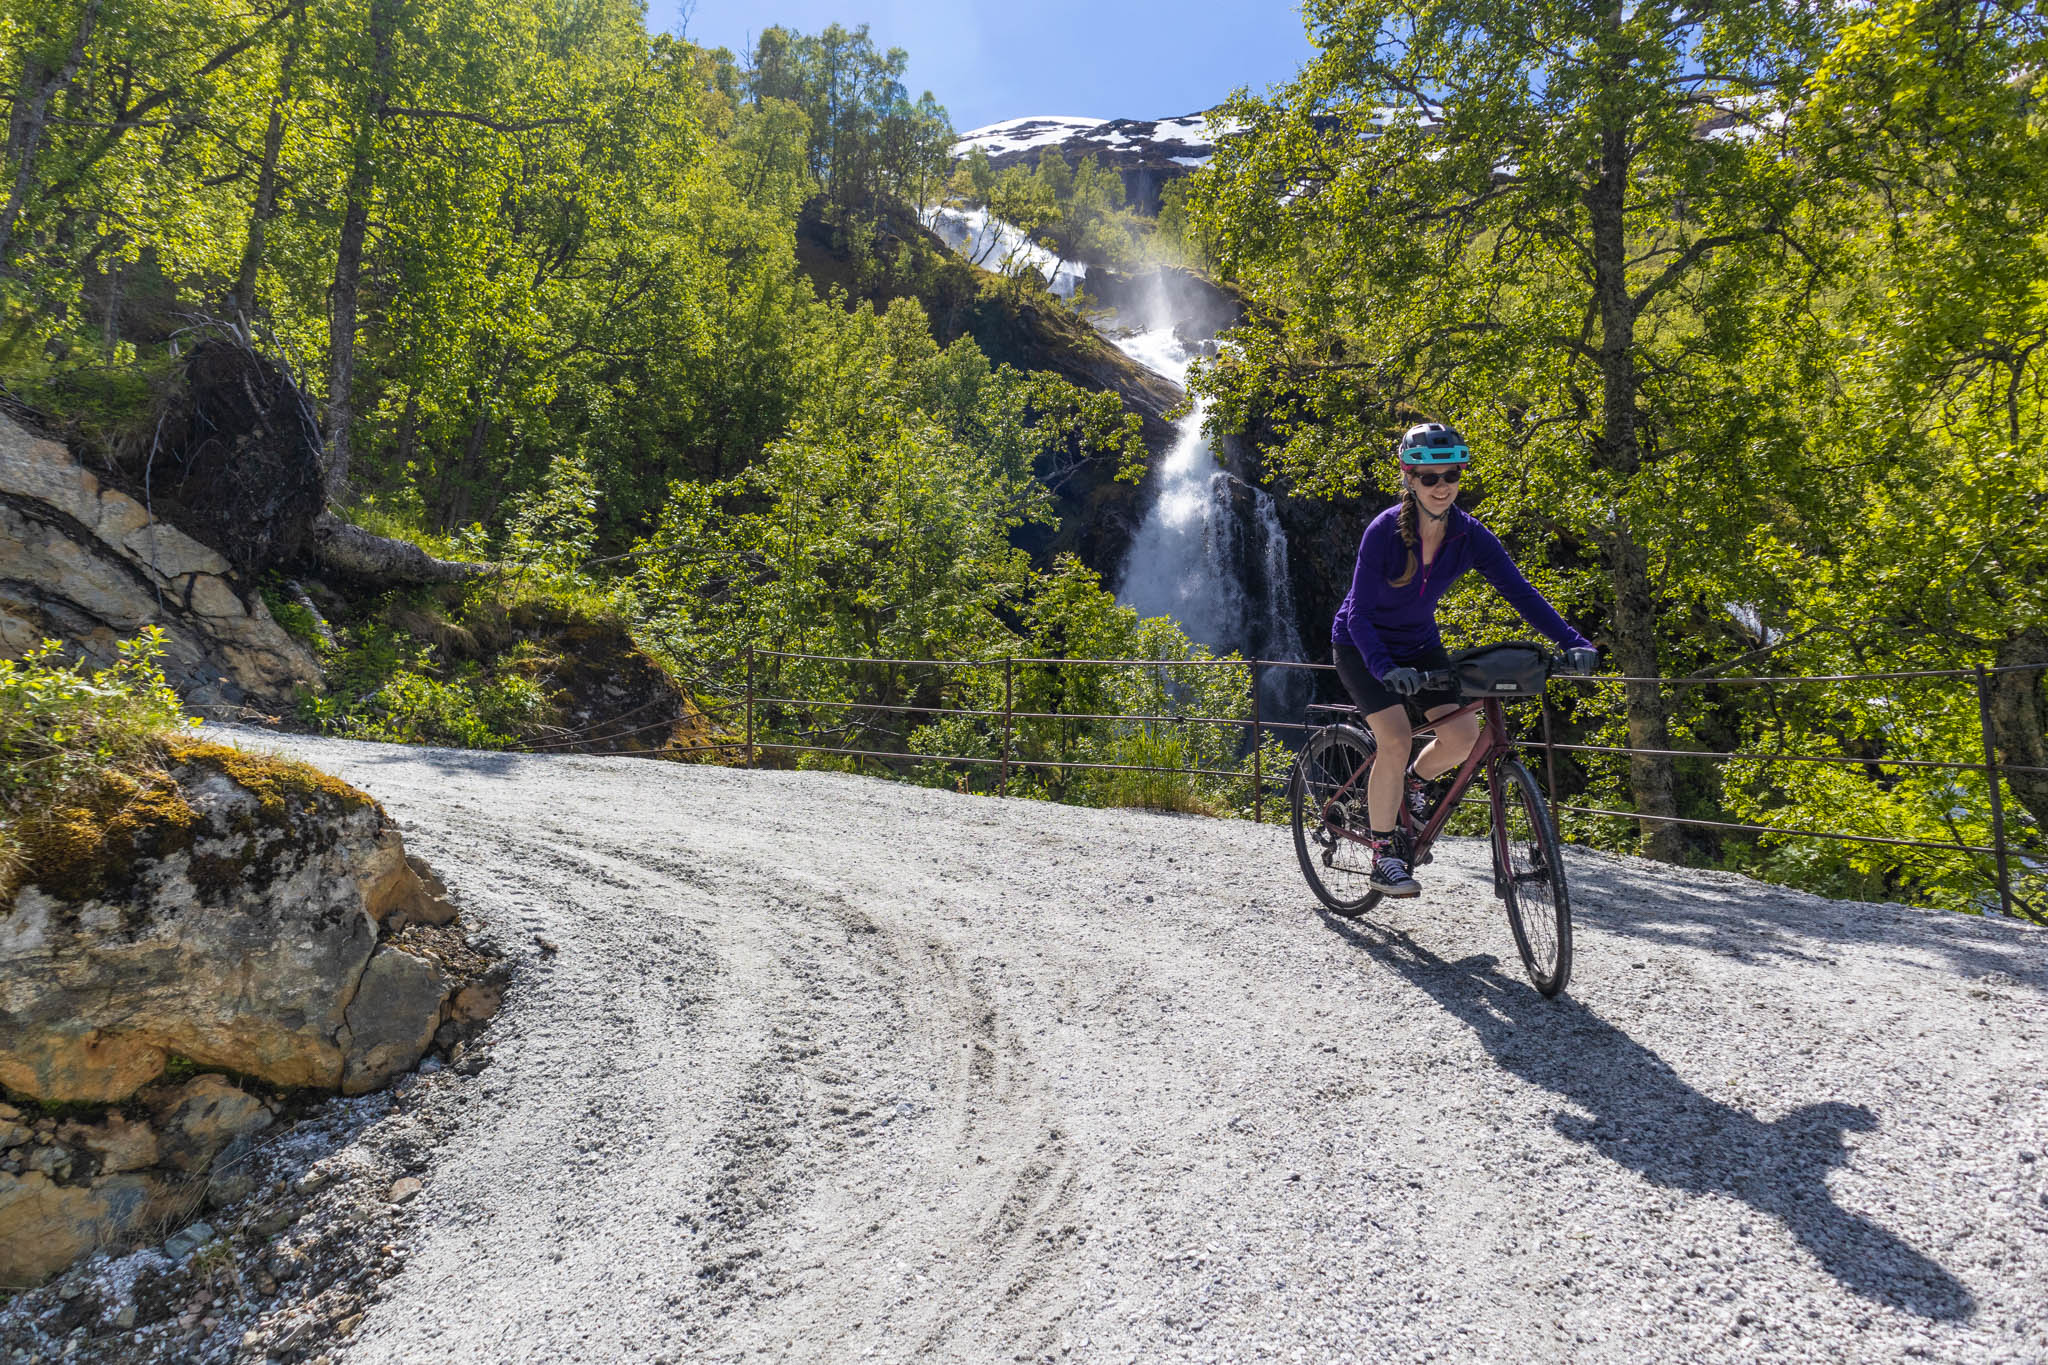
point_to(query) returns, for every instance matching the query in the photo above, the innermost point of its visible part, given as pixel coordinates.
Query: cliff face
(88, 565)
(1014, 322)
(1322, 544)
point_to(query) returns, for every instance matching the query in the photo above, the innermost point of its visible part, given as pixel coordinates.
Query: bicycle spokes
(1330, 817)
(1532, 882)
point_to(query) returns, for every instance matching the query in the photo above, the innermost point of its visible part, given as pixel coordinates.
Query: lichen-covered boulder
(224, 912)
(229, 914)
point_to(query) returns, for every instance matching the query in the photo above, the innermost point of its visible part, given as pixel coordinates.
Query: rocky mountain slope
(1148, 153)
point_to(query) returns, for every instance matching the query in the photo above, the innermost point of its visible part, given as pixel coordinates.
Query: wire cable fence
(779, 720)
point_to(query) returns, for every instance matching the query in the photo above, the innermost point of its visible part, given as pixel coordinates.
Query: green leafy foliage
(1745, 307)
(868, 143)
(63, 728)
(882, 524)
(1071, 617)
(1074, 210)
(478, 667)
(1742, 307)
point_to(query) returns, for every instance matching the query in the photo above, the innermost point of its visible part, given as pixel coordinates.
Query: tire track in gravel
(828, 1068)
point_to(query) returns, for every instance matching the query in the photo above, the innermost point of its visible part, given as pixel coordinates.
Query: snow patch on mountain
(1023, 134)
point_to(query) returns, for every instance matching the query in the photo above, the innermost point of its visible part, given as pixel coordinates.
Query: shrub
(65, 733)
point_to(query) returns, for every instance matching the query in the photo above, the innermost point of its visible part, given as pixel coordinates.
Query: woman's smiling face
(1437, 499)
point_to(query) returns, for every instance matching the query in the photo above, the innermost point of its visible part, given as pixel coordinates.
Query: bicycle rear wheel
(1529, 870)
(1325, 798)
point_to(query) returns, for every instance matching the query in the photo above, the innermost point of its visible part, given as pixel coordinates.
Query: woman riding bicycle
(1385, 636)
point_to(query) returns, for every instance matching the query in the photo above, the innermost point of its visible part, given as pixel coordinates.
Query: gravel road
(830, 1068)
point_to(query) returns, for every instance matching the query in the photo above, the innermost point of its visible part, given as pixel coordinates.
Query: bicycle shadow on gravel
(1645, 1118)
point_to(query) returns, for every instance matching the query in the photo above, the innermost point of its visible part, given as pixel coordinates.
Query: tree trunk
(266, 187)
(352, 550)
(39, 85)
(348, 259)
(341, 332)
(1619, 450)
(1651, 779)
(459, 499)
(2019, 718)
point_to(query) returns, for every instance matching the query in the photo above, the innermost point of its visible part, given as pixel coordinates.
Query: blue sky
(985, 62)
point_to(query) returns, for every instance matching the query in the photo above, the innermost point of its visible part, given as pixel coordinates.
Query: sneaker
(1390, 875)
(1418, 797)
(1423, 796)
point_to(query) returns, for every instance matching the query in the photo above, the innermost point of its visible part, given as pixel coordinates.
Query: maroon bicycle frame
(1487, 751)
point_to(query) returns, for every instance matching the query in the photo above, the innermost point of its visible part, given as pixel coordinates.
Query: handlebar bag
(1510, 670)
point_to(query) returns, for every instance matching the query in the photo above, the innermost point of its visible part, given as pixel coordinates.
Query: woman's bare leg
(1388, 780)
(1453, 741)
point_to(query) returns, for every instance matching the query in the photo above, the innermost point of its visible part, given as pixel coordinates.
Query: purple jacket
(1390, 625)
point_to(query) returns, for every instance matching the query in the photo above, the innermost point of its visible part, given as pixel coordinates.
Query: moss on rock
(274, 780)
(86, 844)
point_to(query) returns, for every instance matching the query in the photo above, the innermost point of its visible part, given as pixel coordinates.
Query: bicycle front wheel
(1327, 794)
(1530, 873)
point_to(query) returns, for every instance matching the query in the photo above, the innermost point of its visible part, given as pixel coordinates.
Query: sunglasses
(1429, 480)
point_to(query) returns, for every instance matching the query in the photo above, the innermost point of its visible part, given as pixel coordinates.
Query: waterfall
(1182, 559)
(1001, 248)
(1210, 551)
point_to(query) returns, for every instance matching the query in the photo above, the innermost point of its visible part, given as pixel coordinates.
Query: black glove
(1403, 682)
(1582, 660)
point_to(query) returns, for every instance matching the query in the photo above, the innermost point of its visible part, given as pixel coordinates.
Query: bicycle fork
(1497, 810)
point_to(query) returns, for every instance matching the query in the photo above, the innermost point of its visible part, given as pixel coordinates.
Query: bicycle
(1327, 794)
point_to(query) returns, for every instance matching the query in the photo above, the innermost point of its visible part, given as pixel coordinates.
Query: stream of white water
(1002, 248)
(1196, 556)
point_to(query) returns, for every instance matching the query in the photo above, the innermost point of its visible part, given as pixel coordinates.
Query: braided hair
(1410, 536)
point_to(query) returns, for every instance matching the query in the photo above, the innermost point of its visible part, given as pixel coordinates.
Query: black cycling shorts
(1369, 694)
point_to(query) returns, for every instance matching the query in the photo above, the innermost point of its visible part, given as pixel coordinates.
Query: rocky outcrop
(68, 1187)
(88, 565)
(236, 923)
(245, 915)
(1199, 306)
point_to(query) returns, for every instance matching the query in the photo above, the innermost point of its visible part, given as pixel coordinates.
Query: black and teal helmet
(1432, 443)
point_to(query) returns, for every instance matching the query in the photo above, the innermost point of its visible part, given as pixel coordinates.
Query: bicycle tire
(1529, 871)
(1336, 868)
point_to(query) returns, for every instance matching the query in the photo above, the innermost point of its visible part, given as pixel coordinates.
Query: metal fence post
(1258, 748)
(1003, 782)
(1997, 799)
(750, 704)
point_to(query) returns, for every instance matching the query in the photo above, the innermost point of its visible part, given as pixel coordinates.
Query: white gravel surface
(829, 1068)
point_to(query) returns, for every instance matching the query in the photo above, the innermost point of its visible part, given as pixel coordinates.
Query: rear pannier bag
(1512, 670)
